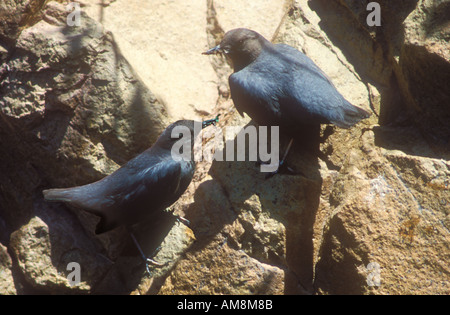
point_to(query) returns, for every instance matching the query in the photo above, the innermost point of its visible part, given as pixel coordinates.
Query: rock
(175, 244)
(44, 255)
(369, 215)
(72, 110)
(218, 269)
(345, 24)
(80, 109)
(381, 220)
(261, 16)
(304, 34)
(15, 15)
(164, 42)
(425, 65)
(163, 239)
(6, 278)
(343, 235)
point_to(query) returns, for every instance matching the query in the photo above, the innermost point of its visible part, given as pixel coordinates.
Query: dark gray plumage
(143, 187)
(277, 85)
(147, 184)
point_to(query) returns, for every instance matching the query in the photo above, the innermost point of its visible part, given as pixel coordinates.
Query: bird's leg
(287, 150)
(282, 164)
(147, 260)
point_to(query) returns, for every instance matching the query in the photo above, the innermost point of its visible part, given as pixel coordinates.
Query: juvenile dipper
(144, 186)
(277, 85)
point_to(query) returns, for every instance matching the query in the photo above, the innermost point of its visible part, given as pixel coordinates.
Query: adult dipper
(277, 85)
(144, 186)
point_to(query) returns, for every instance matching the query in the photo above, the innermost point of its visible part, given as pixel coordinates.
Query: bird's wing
(252, 89)
(129, 185)
(155, 183)
(237, 93)
(296, 59)
(140, 194)
(311, 88)
(311, 93)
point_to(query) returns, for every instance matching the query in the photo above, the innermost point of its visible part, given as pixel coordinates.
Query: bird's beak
(209, 122)
(212, 51)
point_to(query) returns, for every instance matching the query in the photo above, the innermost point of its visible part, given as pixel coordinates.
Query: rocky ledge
(370, 216)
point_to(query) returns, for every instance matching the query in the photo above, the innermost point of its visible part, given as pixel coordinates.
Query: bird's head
(241, 45)
(181, 130)
(182, 133)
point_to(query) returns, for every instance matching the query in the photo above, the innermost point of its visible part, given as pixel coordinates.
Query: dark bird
(277, 85)
(144, 186)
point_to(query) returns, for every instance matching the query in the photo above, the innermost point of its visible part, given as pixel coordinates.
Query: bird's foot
(183, 220)
(178, 217)
(150, 261)
(147, 260)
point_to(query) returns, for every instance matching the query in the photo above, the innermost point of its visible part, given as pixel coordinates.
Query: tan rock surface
(163, 41)
(370, 216)
(263, 16)
(6, 278)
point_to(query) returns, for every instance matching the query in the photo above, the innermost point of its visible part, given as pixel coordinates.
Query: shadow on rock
(269, 219)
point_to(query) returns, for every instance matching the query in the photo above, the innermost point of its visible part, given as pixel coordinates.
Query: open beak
(212, 51)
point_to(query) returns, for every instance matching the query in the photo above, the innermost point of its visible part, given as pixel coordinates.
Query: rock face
(162, 40)
(72, 110)
(370, 216)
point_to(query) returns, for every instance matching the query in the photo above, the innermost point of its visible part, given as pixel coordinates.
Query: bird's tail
(352, 115)
(72, 197)
(58, 194)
